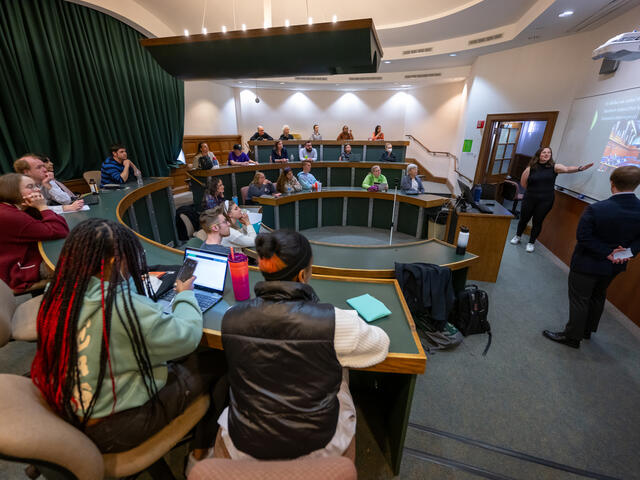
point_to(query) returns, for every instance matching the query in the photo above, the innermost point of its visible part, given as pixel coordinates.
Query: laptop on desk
(211, 276)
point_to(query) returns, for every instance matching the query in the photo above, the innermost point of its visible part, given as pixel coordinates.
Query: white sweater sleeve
(238, 238)
(357, 343)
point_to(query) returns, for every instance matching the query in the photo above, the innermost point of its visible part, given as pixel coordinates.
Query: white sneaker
(530, 247)
(515, 240)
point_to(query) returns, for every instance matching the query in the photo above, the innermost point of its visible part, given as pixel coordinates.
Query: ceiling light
(186, 33)
(387, 61)
(239, 82)
(310, 20)
(566, 13)
(266, 24)
(281, 83)
(405, 86)
(204, 30)
(287, 23)
(244, 27)
(453, 54)
(334, 19)
(224, 29)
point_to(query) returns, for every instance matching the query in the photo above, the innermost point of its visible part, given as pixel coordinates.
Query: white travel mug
(463, 240)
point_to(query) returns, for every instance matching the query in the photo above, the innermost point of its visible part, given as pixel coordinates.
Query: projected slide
(605, 130)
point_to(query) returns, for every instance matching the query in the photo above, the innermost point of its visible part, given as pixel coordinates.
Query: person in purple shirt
(238, 157)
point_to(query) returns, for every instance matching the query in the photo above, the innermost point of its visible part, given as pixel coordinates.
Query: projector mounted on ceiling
(623, 47)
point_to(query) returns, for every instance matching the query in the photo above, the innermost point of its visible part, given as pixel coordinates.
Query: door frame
(493, 118)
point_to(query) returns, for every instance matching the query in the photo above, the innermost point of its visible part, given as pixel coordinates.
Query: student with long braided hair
(287, 353)
(105, 350)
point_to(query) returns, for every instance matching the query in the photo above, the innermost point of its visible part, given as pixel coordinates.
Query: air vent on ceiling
(423, 75)
(417, 50)
(360, 79)
(601, 16)
(475, 41)
(315, 79)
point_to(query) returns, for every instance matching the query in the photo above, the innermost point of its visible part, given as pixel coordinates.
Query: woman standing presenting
(539, 179)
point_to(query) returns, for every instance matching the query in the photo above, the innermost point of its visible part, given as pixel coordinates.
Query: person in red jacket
(25, 220)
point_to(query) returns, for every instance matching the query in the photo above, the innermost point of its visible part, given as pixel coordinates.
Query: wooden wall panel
(220, 145)
(559, 236)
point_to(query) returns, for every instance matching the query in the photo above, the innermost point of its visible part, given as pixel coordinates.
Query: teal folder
(368, 307)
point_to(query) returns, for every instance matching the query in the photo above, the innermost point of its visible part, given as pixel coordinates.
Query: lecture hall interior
(441, 167)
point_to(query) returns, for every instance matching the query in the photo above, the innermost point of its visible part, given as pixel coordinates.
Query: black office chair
(511, 191)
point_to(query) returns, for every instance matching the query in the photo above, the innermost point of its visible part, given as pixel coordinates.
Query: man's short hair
(209, 217)
(626, 179)
(116, 146)
(306, 161)
(305, 143)
(237, 146)
(21, 165)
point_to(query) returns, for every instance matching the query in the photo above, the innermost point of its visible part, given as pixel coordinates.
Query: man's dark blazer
(604, 226)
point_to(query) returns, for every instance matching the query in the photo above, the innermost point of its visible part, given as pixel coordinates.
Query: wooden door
(503, 151)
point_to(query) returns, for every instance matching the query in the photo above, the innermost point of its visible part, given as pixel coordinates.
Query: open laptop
(211, 276)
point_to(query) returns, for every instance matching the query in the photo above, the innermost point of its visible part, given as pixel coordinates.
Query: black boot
(561, 337)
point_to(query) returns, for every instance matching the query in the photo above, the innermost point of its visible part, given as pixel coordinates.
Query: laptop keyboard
(205, 301)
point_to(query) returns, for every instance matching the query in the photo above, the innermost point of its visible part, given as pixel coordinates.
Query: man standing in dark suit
(608, 236)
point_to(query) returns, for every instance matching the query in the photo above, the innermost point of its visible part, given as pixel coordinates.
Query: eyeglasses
(32, 186)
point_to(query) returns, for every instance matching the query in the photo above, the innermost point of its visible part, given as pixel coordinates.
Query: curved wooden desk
(330, 150)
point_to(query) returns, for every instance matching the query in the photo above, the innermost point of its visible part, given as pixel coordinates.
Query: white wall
(539, 77)
(209, 109)
(429, 113)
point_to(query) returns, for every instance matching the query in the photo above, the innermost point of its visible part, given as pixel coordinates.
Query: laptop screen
(211, 271)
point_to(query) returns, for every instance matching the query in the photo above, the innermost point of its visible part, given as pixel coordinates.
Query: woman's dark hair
(535, 160)
(211, 189)
(94, 248)
(10, 188)
(283, 253)
(282, 179)
(200, 146)
(275, 144)
(377, 129)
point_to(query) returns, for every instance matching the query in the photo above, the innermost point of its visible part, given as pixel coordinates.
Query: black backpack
(470, 313)
(205, 163)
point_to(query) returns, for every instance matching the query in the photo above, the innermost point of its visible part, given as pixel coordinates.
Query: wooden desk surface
(302, 141)
(406, 353)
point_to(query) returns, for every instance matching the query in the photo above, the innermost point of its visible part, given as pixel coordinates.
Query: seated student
(305, 177)
(315, 134)
(387, 155)
(308, 152)
(213, 194)
(287, 182)
(261, 134)
(287, 357)
(216, 227)
(260, 186)
(374, 178)
(117, 167)
(279, 154)
(346, 155)
(205, 159)
(411, 183)
(26, 220)
(59, 192)
(123, 389)
(238, 157)
(345, 134)
(285, 133)
(241, 232)
(32, 165)
(377, 133)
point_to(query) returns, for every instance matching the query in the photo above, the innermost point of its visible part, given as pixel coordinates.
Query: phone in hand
(187, 269)
(622, 255)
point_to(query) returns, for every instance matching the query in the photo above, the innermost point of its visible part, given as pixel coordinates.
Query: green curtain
(73, 81)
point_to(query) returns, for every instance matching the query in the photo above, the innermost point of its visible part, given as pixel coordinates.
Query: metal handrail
(448, 154)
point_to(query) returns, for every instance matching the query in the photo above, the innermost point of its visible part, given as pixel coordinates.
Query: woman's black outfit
(538, 199)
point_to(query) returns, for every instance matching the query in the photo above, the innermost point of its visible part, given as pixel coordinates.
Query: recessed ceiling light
(204, 30)
(287, 23)
(387, 61)
(310, 20)
(453, 54)
(239, 82)
(334, 19)
(186, 33)
(281, 83)
(244, 27)
(566, 13)
(266, 24)
(224, 29)
(405, 86)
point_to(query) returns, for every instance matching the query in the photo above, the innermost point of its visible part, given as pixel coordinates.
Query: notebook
(211, 276)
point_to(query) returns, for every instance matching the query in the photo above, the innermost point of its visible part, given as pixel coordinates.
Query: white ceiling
(444, 26)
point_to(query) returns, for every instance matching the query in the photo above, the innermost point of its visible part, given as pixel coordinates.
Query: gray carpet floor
(577, 408)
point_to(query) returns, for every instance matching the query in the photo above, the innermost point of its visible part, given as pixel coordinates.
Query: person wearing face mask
(387, 155)
(539, 179)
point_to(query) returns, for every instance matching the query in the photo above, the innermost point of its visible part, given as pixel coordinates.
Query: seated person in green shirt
(374, 178)
(106, 358)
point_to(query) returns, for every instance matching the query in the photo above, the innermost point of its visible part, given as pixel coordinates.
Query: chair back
(32, 432)
(325, 468)
(509, 190)
(187, 224)
(243, 193)
(8, 302)
(96, 175)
